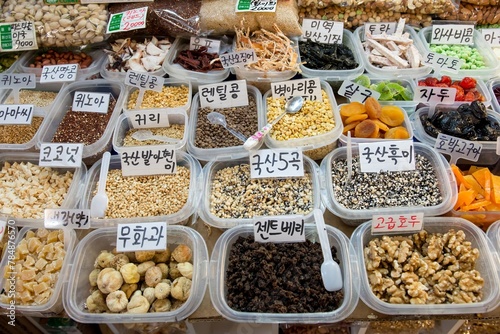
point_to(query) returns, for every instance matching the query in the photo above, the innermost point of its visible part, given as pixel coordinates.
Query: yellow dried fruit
(130, 273)
(162, 290)
(117, 301)
(109, 280)
(138, 304)
(398, 132)
(353, 108)
(153, 276)
(162, 256)
(104, 259)
(350, 127)
(182, 253)
(373, 108)
(181, 288)
(143, 256)
(366, 129)
(392, 115)
(355, 118)
(381, 125)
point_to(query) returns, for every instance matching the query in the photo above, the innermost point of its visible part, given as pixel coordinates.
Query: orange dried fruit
(350, 126)
(398, 132)
(353, 108)
(355, 118)
(373, 108)
(392, 115)
(366, 129)
(381, 125)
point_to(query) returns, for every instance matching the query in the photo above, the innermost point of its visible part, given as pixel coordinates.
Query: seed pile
(169, 97)
(38, 98)
(173, 131)
(19, 134)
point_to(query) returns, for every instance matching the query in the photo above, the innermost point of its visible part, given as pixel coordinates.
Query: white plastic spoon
(219, 119)
(142, 135)
(99, 202)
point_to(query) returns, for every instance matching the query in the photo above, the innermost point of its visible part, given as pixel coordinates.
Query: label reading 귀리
(356, 93)
(91, 102)
(223, 95)
(61, 155)
(148, 119)
(323, 31)
(18, 36)
(383, 224)
(309, 89)
(452, 34)
(276, 163)
(149, 236)
(279, 229)
(74, 218)
(393, 156)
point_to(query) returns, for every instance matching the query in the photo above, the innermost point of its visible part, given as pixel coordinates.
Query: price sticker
(148, 119)
(309, 89)
(223, 95)
(129, 20)
(323, 31)
(392, 156)
(238, 58)
(492, 36)
(18, 81)
(141, 237)
(276, 163)
(383, 224)
(15, 114)
(212, 45)
(379, 28)
(59, 73)
(452, 34)
(355, 92)
(434, 95)
(91, 102)
(458, 148)
(148, 160)
(144, 81)
(279, 229)
(74, 218)
(442, 63)
(18, 36)
(61, 155)
(256, 5)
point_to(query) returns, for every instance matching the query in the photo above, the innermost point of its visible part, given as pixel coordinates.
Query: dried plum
(320, 56)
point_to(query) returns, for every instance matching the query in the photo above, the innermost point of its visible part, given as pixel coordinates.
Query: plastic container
(490, 59)
(406, 73)
(64, 101)
(493, 234)
(76, 284)
(220, 259)
(209, 172)
(72, 196)
(179, 217)
(409, 84)
(486, 265)
(447, 186)
(224, 153)
(54, 306)
(488, 155)
(492, 84)
(316, 147)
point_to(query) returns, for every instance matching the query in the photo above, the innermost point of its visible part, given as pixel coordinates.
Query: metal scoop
(219, 119)
(143, 135)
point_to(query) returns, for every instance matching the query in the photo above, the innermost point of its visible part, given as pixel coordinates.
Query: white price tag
(12, 114)
(435, 95)
(61, 155)
(18, 81)
(407, 222)
(74, 218)
(144, 81)
(279, 229)
(3, 227)
(458, 148)
(256, 5)
(212, 45)
(128, 20)
(141, 237)
(491, 35)
(224, 95)
(59, 73)
(388, 28)
(91, 102)
(452, 34)
(148, 160)
(355, 92)
(18, 36)
(393, 156)
(323, 31)
(276, 163)
(148, 119)
(309, 89)
(442, 63)
(238, 58)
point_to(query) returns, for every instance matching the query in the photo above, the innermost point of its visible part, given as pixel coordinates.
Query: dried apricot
(373, 108)
(355, 118)
(398, 132)
(353, 108)
(381, 125)
(366, 129)
(350, 126)
(392, 115)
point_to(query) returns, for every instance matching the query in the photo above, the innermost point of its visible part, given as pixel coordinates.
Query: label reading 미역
(379, 28)
(392, 156)
(238, 58)
(224, 95)
(491, 36)
(279, 229)
(442, 63)
(91, 102)
(356, 93)
(434, 95)
(397, 223)
(74, 218)
(16, 114)
(61, 155)
(452, 34)
(458, 148)
(144, 81)
(148, 119)
(309, 89)
(212, 45)
(323, 31)
(148, 160)
(144, 237)
(18, 36)
(256, 5)
(59, 73)
(18, 81)
(276, 163)
(128, 20)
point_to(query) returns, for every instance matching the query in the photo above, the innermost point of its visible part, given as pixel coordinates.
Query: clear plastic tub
(486, 265)
(488, 155)
(491, 61)
(492, 84)
(493, 234)
(72, 196)
(220, 259)
(179, 217)
(76, 284)
(409, 84)
(207, 154)
(447, 187)
(406, 73)
(54, 306)
(64, 101)
(209, 172)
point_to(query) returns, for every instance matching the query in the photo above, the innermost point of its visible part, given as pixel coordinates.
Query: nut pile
(53, 57)
(141, 282)
(424, 268)
(169, 97)
(233, 194)
(173, 131)
(19, 134)
(39, 257)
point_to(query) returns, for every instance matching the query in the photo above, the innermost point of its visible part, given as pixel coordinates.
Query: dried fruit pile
(199, 60)
(466, 88)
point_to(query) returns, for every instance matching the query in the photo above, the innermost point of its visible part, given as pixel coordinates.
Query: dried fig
(130, 273)
(186, 269)
(138, 304)
(181, 288)
(109, 280)
(129, 289)
(162, 256)
(149, 294)
(162, 290)
(117, 301)
(182, 253)
(96, 303)
(162, 305)
(143, 256)
(104, 259)
(93, 277)
(153, 276)
(143, 267)
(119, 261)
(164, 269)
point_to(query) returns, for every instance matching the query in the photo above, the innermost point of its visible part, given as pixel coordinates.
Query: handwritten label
(92, 102)
(401, 223)
(491, 36)
(435, 95)
(279, 229)
(148, 119)
(146, 236)
(458, 148)
(256, 5)
(144, 81)
(392, 156)
(18, 36)
(224, 95)
(74, 218)
(212, 45)
(323, 31)
(238, 58)
(388, 28)
(148, 160)
(452, 34)
(442, 63)
(13, 114)
(61, 155)
(18, 80)
(278, 163)
(59, 73)
(128, 20)
(309, 89)
(355, 92)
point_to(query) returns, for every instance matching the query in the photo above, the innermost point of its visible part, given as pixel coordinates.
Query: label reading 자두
(434, 95)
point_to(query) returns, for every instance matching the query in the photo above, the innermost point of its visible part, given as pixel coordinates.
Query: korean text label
(323, 31)
(61, 155)
(309, 89)
(434, 95)
(279, 229)
(73, 218)
(356, 93)
(148, 160)
(212, 45)
(278, 163)
(388, 28)
(141, 237)
(458, 148)
(442, 63)
(144, 81)
(238, 58)
(223, 95)
(11, 114)
(18, 80)
(407, 222)
(148, 119)
(59, 73)
(394, 155)
(452, 34)
(91, 102)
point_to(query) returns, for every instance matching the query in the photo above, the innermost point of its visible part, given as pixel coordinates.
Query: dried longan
(366, 129)
(398, 132)
(392, 115)
(373, 108)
